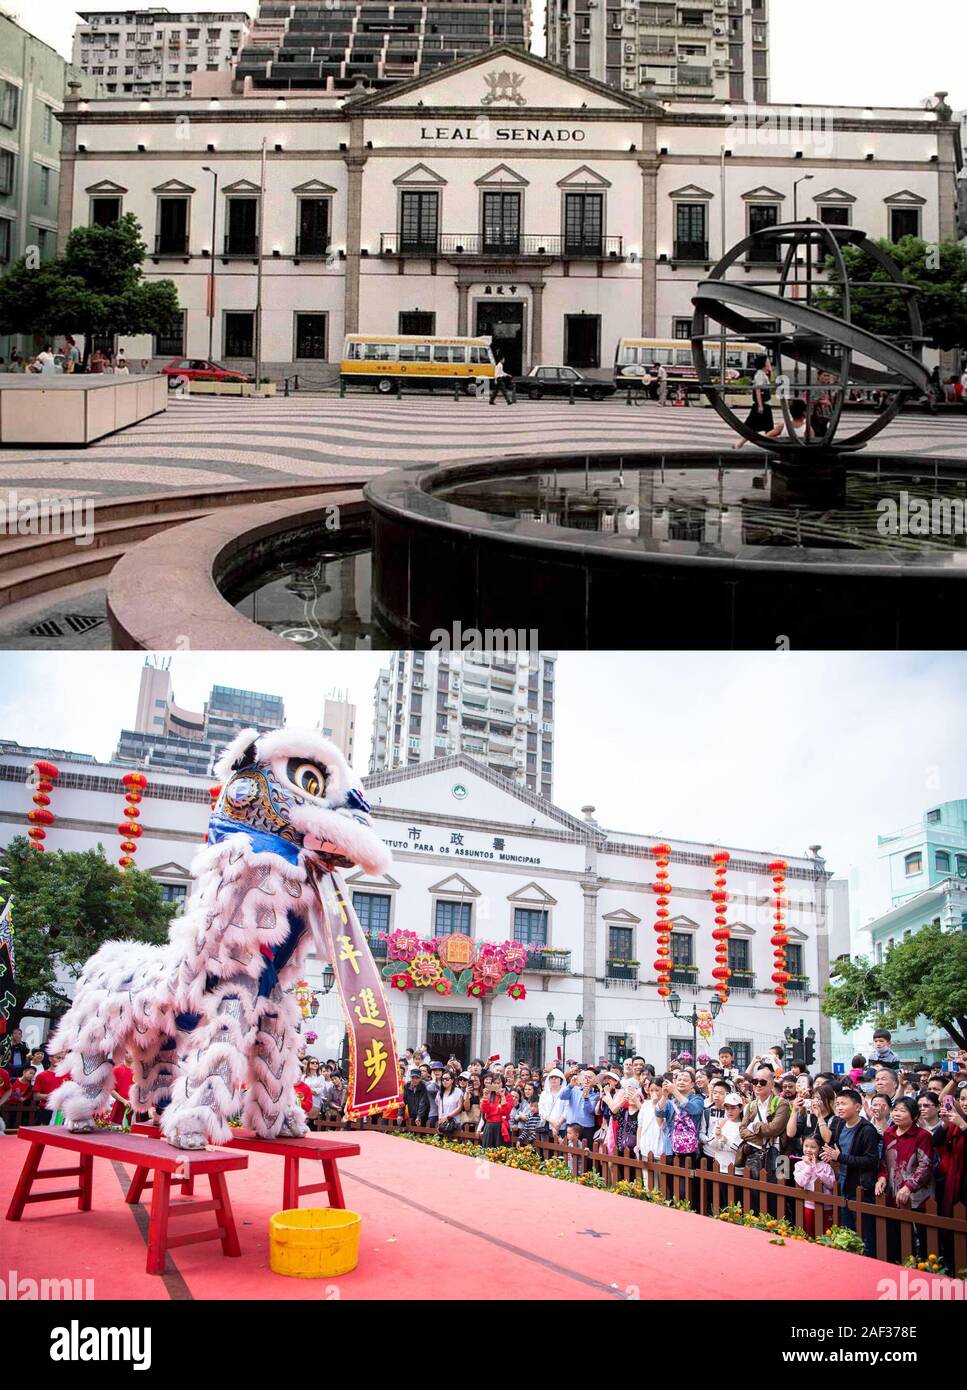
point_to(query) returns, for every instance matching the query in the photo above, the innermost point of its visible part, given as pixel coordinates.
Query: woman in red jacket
(906, 1170)
(495, 1111)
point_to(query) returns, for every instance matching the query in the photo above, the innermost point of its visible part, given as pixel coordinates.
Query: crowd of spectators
(877, 1130)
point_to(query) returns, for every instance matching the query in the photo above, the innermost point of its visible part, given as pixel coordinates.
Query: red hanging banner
(374, 1078)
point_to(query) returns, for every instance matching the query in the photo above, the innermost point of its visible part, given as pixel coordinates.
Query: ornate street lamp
(564, 1032)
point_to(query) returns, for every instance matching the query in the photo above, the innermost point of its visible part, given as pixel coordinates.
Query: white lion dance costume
(207, 1014)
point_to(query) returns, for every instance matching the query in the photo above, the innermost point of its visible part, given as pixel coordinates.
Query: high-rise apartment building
(169, 736)
(709, 49)
(312, 44)
(498, 709)
(156, 52)
(339, 723)
(33, 85)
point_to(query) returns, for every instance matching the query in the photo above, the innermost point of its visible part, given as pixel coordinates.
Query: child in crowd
(811, 1173)
(575, 1141)
(530, 1123)
(883, 1054)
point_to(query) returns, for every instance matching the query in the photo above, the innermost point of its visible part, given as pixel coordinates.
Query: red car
(199, 369)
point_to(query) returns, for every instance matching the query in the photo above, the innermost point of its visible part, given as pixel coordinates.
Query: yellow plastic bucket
(314, 1242)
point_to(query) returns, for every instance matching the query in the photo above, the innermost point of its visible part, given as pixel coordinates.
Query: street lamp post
(211, 274)
(564, 1032)
(675, 1004)
(795, 218)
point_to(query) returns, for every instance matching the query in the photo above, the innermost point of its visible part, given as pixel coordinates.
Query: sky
(854, 52)
(763, 751)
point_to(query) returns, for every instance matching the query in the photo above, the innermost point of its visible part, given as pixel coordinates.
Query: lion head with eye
(296, 786)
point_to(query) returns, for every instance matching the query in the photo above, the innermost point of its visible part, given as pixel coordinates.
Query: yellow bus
(634, 359)
(381, 361)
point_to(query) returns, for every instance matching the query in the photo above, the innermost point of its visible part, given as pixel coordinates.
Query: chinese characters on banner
(373, 1070)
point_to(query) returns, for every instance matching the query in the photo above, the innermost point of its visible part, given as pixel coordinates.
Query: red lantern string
(720, 935)
(662, 886)
(780, 938)
(129, 829)
(41, 777)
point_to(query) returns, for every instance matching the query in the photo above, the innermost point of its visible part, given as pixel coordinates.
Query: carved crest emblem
(504, 86)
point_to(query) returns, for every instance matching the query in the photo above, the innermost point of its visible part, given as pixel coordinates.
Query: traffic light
(809, 1051)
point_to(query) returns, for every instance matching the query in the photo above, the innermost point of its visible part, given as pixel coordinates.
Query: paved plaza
(204, 443)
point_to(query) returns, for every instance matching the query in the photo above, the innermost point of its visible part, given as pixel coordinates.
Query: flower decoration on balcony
(312, 1037)
(401, 945)
(683, 1057)
(425, 969)
(455, 964)
(703, 1059)
(489, 971)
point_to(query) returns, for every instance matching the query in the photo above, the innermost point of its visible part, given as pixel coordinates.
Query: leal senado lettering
(561, 135)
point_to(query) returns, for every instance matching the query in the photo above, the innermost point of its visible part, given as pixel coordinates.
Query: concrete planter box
(42, 409)
(229, 388)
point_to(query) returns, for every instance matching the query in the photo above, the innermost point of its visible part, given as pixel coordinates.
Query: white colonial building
(477, 854)
(498, 195)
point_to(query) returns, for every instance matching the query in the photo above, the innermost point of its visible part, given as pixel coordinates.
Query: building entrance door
(503, 321)
(582, 340)
(449, 1031)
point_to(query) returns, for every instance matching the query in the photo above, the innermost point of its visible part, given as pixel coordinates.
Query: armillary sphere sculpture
(829, 354)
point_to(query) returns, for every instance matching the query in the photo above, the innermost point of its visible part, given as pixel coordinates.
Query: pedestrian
(502, 383)
(121, 366)
(662, 376)
(449, 1104)
(906, 1170)
(72, 354)
(495, 1111)
(760, 416)
(415, 1099)
(765, 1119)
(855, 1146)
(553, 1107)
(812, 1172)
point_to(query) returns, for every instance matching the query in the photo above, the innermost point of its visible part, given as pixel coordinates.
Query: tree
(926, 974)
(67, 903)
(95, 287)
(938, 272)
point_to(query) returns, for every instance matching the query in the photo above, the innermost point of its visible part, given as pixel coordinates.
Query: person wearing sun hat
(552, 1107)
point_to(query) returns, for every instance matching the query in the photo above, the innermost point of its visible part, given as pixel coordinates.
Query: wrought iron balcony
(167, 245)
(312, 247)
(455, 244)
(798, 984)
(376, 946)
(237, 245)
(691, 251)
(742, 979)
(547, 961)
(621, 970)
(685, 975)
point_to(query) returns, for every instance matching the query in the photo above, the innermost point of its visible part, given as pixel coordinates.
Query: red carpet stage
(435, 1225)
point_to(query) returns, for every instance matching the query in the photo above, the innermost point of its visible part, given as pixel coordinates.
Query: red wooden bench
(312, 1149)
(168, 1164)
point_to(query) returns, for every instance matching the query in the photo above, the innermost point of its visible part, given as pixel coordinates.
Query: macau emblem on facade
(504, 86)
